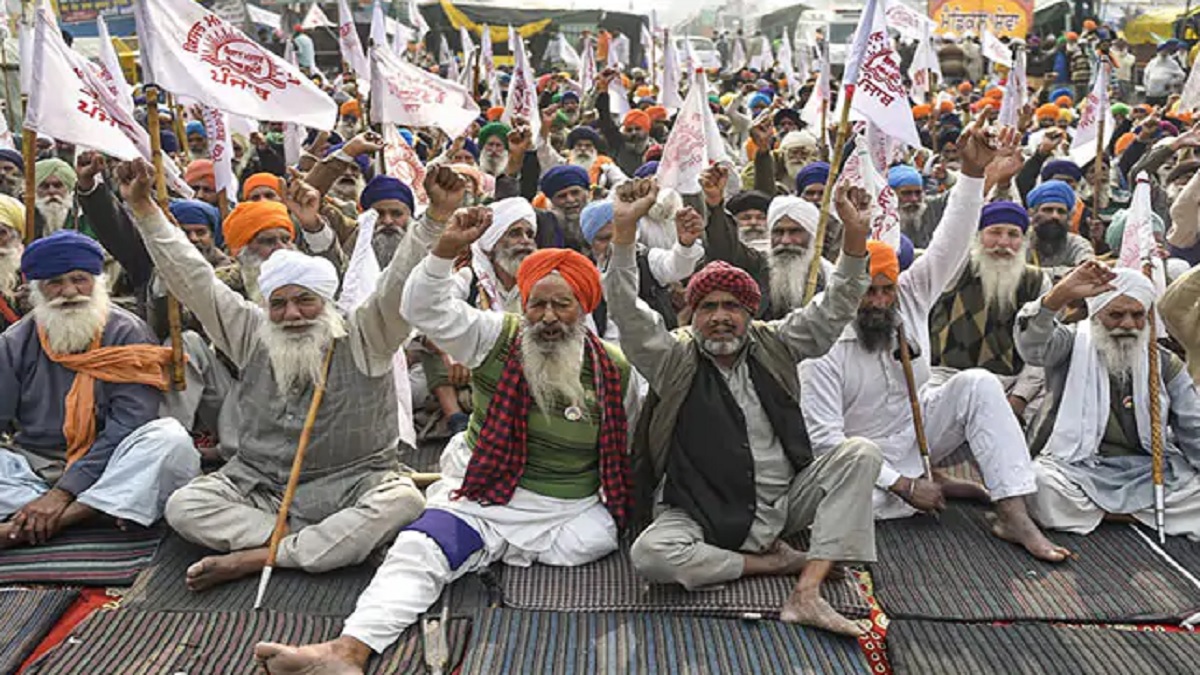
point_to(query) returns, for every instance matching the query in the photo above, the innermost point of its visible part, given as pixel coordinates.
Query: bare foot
(963, 490)
(812, 610)
(779, 560)
(218, 569)
(1021, 530)
(326, 658)
(10, 536)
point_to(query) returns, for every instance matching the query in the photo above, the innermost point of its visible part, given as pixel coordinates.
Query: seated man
(1052, 246)
(351, 498)
(859, 388)
(725, 429)
(80, 383)
(542, 472)
(12, 223)
(1094, 432)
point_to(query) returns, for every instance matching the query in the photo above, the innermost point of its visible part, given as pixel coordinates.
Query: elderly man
(80, 385)
(781, 272)
(774, 171)
(627, 143)
(197, 139)
(351, 498)
(1094, 433)
(582, 151)
(12, 223)
(971, 325)
(54, 201)
(859, 389)
(493, 148)
(569, 190)
(260, 186)
(1052, 246)
(393, 203)
(749, 211)
(12, 172)
(724, 429)
(541, 474)
(201, 177)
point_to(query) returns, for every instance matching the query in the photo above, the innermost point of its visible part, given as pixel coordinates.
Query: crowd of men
(617, 366)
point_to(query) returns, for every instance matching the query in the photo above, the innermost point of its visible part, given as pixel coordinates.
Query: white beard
(346, 191)
(493, 165)
(1119, 354)
(789, 276)
(793, 168)
(910, 221)
(54, 212)
(552, 369)
(1000, 277)
(298, 359)
(583, 160)
(251, 267)
(10, 265)
(71, 330)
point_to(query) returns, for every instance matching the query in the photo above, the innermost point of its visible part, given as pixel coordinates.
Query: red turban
(262, 180)
(579, 273)
(638, 118)
(249, 218)
(883, 260)
(721, 276)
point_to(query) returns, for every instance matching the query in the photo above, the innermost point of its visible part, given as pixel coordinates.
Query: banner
(349, 44)
(522, 90)
(407, 95)
(994, 50)
(874, 68)
(1005, 18)
(216, 123)
(911, 24)
(1083, 146)
(109, 68)
(693, 144)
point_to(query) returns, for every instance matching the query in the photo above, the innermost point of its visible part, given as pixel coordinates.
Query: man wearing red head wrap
(725, 427)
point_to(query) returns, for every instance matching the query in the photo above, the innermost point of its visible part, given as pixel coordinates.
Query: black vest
(654, 294)
(710, 468)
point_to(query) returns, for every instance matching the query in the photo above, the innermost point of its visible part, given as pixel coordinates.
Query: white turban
(798, 139)
(504, 213)
(293, 268)
(1128, 282)
(799, 210)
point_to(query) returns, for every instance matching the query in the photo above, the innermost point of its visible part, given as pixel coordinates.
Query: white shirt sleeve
(465, 333)
(674, 264)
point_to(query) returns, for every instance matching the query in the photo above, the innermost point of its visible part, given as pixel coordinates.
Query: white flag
(860, 171)
(417, 21)
(410, 96)
(25, 33)
(1014, 92)
(818, 99)
(874, 69)
(737, 59)
(487, 64)
(803, 61)
(470, 65)
(1083, 146)
(1138, 246)
(911, 24)
(668, 89)
(189, 50)
(6, 136)
(110, 68)
(587, 70)
(648, 47)
(786, 62)
(924, 64)
(689, 147)
(402, 162)
(522, 90)
(216, 123)
(315, 18)
(293, 134)
(401, 37)
(996, 51)
(1190, 98)
(618, 99)
(349, 44)
(378, 32)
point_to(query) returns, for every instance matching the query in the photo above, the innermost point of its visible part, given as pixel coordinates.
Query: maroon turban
(721, 276)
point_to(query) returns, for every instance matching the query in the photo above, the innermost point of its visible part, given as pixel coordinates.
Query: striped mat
(28, 614)
(162, 587)
(612, 585)
(954, 569)
(102, 556)
(514, 643)
(937, 648)
(129, 642)
(1186, 553)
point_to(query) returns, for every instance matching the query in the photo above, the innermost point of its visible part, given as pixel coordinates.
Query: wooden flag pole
(289, 492)
(174, 321)
(29, 158)
(1156, 431)
(911, 382)
(814, 269)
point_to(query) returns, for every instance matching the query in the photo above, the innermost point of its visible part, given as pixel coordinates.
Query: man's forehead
(273, 232)
(1124, 303)
(292, 291)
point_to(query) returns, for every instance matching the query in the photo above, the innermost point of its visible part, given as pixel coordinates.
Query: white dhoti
(152, 462)
(969, 407)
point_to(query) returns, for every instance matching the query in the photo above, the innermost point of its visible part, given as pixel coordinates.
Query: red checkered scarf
(498, 459)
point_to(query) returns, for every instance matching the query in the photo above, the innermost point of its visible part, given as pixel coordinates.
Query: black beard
(1052, 233)
(875, 328)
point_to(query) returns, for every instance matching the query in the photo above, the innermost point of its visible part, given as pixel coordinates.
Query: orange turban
(946, 107)
(495, 112)
(351, 107)
(200, 171)
(249, 218)
(1063, 101)
(922, 111)
(964, 87)
(262, 180)
(1047, 111)
(657, 113)
(579, 273)
(1124, 142)
(1088, 24)
(643, 92)
(1072, 36)
(996, 93)
(883, 260)
(638, 118)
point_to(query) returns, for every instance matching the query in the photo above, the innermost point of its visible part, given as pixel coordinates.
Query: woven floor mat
(938, 648)
(1186, 553)
(128, 642)
(516, 643)
(612, 585)
(961, 464)
(955, 569)
(162, 587)
(26, 615)
(102, 556)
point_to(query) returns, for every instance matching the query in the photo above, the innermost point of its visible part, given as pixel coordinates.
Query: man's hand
(1005, 166)
(921, 493)
(763, 134)
(1085, 281)
(712, 183)
(689, 225)
(520, 141)
(1018, 405)
(136, 181)
(1050, 140)
(465, 227)
(319, 145)
(854, 210)
(446, 189)
(39, 519)
(604, 78)
(634, 199)
(1188, 139)
(304, 202)
(457, 374)
(366, 143)
(979, 145)
(548, 114)
(1025, 117)
(87, 166)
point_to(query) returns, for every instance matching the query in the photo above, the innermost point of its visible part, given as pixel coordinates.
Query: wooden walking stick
(911, 382)
(293, 479)
(1156, 432)
(174, 322)
(810, 289)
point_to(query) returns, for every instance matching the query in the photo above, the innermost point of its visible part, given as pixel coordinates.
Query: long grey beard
(910, 221)
(493, 165)
(298, 360)
(53, 213)
(385, 242)
(582, 160)
(347, 191)
(1000, 277)
(553, 369)
(10, 265)
(71, 331)
(1119, 354)
(789, 276)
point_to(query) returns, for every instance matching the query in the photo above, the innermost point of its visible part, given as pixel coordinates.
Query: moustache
(1124, 334)
(1000, 252)
(790, 250)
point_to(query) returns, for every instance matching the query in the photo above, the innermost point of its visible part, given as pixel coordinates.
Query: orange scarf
(125, 364)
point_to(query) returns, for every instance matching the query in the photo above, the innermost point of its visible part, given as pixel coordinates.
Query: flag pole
(177, 122)
(1098, 162)
(814, 269)
(28, 153)
(911, 382)
(1156, 432)
(174, 322)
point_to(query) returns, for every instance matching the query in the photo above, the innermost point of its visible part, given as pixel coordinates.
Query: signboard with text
(1011, 18)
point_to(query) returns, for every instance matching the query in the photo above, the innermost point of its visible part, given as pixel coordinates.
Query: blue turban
(646, 170)
(385, 187)
(758, 99)
(1004, 213)
(594, 217)
(407, 135)
(562, 177)
(1061, 167)
(903, 175)
(169, 141)
(569, 96)
(468, 145)
(582, 134)
(195, 127)
(811, 174)
(13, 157)
(194, 212)
(62, 252)
(1051, 192)
(1061, 91)
(907, 252)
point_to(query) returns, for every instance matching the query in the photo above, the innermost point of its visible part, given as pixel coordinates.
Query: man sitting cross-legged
(350, 498)
(724, 427)
(542, 472)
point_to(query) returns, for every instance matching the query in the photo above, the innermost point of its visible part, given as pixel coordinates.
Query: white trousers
(969, 407)
(152, 462)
